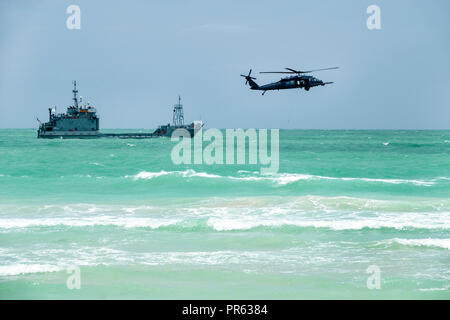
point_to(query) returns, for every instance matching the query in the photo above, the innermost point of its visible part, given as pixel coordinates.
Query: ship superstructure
(78, 121)
(178, 123)
(81, 121)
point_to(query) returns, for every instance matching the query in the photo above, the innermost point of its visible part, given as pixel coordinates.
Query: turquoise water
(139, 226)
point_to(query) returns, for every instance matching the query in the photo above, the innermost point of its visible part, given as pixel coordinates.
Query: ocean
(136, 226)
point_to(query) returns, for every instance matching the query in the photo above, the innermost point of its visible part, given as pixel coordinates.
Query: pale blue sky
(132, 58)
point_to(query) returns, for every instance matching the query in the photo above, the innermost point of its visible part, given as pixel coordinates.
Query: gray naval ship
(82, 121)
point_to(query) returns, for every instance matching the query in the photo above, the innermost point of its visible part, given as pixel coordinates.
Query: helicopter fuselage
(299, 80)
(293, 82)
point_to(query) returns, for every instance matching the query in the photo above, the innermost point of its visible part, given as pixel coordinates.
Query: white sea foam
(50, 259)
(192, 173)
(433, 289)
(185, 174)
(338, 213)
(441, 243)
(221, 224)
(256, 205)
(286, 178)
(234, 222)
(246, 171)
(442, 178)
(16, 269)
(310, 254)
(126, 222)
(148, 175)
(392, 181)
(280, 178)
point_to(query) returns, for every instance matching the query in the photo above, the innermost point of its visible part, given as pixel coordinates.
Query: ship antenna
(75, 91)
(178, 116)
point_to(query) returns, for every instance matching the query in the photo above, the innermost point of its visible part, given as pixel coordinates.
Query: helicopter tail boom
(253, 84)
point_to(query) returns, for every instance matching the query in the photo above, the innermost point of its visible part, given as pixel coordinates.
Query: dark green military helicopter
(298, 80)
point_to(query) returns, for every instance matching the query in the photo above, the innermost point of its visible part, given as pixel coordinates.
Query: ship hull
(69, 135)
(97, 134)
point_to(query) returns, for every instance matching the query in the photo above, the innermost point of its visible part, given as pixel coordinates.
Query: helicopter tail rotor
(248, 77)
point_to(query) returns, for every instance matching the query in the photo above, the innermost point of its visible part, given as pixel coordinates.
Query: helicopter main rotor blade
(320, 70)
(293, 71)
(276, 72)
(296, 71)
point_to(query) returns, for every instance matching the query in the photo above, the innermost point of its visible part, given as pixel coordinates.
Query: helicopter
(298, 80)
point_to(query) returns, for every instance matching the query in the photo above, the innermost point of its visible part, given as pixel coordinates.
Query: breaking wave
(220, 224)
(185, 174)
(238, 213)
(439, 243)
(280, 178)
(133, 222)
(20, 268)
(288, 259)
(233, 222)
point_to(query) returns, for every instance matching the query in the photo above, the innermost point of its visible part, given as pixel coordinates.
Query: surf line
(233, 146)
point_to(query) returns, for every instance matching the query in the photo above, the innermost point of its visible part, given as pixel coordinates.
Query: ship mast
(178, 117)
(75, 91)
